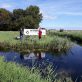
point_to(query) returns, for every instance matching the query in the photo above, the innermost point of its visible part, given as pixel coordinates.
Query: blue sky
(66, 14)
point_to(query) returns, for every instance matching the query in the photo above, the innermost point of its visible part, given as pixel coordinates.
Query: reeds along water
(75, 36)
(48, 43)
(16, 73)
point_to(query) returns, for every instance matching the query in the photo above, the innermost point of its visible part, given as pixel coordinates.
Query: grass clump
(48, 43)
(32, 43)
(11, 72)
(72, 35)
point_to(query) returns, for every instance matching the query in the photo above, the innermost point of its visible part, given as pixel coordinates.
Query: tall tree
(5, 19)
(28, 18)
(18, 13)
(34, 11)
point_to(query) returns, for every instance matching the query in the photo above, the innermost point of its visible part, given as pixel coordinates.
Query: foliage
(61, 30)
(19, 18)
(18, 13)
(5, 19)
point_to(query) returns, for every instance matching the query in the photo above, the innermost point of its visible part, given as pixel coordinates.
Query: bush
(61, 30)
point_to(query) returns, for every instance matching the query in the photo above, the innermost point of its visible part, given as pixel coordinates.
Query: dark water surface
(70, 62)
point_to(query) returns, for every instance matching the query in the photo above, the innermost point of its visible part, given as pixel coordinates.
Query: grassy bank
(11, 72)
(32, 43)
(73, 35)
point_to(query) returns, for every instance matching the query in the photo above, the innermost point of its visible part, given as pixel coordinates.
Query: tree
(34, 11)
(28, 18)
(5, 19)
(18, 13)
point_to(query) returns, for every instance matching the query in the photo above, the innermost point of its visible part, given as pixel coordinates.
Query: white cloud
(5, 5)
(47, 17)
(74, 13)
(70, 13)
(62, 7)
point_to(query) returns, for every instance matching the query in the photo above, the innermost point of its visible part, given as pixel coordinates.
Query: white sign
(34, 31)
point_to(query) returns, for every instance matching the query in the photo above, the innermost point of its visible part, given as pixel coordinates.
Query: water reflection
(69, 63)
(21, 57)
(37, 55)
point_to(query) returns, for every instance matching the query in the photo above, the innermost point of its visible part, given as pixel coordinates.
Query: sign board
(34, 31)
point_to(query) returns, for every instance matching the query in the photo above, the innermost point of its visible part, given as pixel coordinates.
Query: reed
(75, 36)
(47, 43)
(12, 72)
(32, 43)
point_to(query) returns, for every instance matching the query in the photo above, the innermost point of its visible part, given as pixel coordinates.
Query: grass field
(54, 43)
(73, 35)
(8, 36)
(11, 72)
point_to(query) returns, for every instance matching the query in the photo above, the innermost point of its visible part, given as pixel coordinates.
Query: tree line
(20, 18)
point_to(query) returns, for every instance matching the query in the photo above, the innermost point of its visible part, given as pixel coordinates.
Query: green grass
(8, 36)
(11, 72)
(73, 35)
(32, 43)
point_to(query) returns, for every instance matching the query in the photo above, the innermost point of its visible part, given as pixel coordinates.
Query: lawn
(8, 36)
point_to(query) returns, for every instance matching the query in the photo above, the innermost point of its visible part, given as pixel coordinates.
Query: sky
(57, 14)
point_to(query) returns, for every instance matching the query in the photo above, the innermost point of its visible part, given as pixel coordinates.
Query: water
(69, 62)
